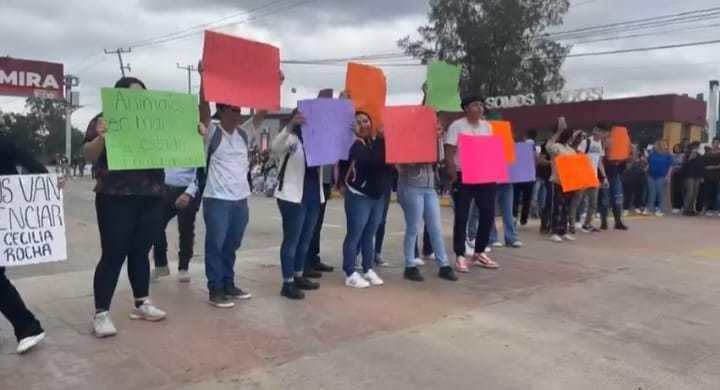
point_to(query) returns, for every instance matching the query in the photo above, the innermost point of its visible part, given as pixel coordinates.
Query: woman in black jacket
(28, 330)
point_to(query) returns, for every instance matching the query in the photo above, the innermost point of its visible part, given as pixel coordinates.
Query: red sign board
(31, 78)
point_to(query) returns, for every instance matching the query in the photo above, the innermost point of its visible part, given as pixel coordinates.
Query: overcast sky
(75, 32)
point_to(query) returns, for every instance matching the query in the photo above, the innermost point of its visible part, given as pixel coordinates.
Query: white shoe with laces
(103, 326)
(29, 343)
(556, 238)
(183, 276)
(568, 237)
(659, 214)
(373, 278)
(418, 262)
(147, 312)
(356, 281)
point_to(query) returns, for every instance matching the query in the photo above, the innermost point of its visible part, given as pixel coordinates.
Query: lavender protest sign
(327, 132)
(523, 169)
(32, 220)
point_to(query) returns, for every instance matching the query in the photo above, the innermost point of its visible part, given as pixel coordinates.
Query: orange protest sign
(504, 129)
(619, 144)
(576, 172)
(367, 88)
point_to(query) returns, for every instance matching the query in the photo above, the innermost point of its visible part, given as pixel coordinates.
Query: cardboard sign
(504, 129)
(523, 169)
(327, 132)
(443, 81)
(240, 72)
(32, 220)
(151, 129)
(367, 88)
(620, 148)
(410, 134)
(482, 159)
(576, 172)
(31, 78)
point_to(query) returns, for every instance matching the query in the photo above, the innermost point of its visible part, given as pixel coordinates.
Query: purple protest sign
(523, 170)
(327, 132)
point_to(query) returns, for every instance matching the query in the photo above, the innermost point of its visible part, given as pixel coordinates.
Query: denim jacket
(417, 175)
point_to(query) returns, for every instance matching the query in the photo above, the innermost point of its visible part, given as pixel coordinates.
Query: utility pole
(189, 69)
(119, 51)
(71, 104)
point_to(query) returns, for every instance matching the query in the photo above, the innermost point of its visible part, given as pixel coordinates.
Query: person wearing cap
(473, 123)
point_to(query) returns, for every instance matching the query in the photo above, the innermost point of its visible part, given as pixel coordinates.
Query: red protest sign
(410, 134)
(31, 78)
(367, 88)
(240, 72)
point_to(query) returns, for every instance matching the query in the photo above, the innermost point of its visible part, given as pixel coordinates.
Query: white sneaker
(147, 312)
(103, 326)
(709, 214)
(646, 212)
(29, 343)
(517, 244)
(487, 249)
(430, 257)
(183, 276)
(418, 262)
(469, 248)
(659, 214)
(159, 272)
(676, 211)
(638, 211)
(568, 237)
(497, 244)
(556, 238)
(356, 281)
(373, 278)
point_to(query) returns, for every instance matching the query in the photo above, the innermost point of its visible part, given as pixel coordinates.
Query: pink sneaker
(461, 265)
(483, 260)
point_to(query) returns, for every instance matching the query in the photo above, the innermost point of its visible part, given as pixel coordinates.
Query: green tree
(502, 45)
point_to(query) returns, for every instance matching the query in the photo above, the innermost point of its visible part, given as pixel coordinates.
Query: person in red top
(129, 212)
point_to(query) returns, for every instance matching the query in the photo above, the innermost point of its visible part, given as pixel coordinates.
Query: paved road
(633, 310)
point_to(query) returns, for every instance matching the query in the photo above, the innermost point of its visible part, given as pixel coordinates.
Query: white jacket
(289, 151)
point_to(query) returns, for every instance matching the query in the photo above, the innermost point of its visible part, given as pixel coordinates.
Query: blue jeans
(298, 224)
(419, 204)
(380, 234)
(504, 198)
(225, 223)
(364, 215)
(656, 191)
(616, 191)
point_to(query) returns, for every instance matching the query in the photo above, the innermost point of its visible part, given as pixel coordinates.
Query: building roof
(645, 109)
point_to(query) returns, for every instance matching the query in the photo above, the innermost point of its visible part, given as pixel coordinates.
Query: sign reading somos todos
(32, 220)
(151, 129)
(31, 78)
(555, 97)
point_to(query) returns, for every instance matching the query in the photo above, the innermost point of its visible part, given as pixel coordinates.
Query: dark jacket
(12, 157)
(372, 176)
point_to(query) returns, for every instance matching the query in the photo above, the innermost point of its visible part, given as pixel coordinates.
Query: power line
(643, 49)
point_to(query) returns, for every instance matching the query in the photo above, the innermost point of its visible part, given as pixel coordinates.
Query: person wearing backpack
(224, 190)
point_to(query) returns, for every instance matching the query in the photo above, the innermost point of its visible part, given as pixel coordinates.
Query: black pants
(560, 210)
(522, 200)
(186, 228)
(707, 196)
(128, 225)
(313, 257)
(634, 187)
(13, 308)
(484, 197)
(427, 249)
(546, 208)
(677, 187)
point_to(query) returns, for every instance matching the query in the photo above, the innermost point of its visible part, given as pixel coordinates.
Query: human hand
(101, 128)
(183, 201)
(202, 129)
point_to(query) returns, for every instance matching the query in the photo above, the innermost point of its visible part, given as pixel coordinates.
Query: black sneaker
(447, 273)
(322, 267)
(312, 273)
(620, 226)
(412, 273)
(236, 293)
(304, 283)
(218, 298)
(290, 291)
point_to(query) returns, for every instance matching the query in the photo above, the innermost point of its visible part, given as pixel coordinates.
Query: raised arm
(95, 139)
(203, 105)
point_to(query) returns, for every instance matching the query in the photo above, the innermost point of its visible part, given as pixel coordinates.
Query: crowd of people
(135, 207)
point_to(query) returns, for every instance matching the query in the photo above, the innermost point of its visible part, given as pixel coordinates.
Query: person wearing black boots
(299, 195)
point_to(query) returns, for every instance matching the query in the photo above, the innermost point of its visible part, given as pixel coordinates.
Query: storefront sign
(555, 97)
(31, 78)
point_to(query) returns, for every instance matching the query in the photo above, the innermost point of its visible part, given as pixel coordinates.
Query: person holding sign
(299, 195)
(129, 212)
(28, 330)
(558, 145)
(419, 201)
(225, 189)
(473, 123)
(367, 180)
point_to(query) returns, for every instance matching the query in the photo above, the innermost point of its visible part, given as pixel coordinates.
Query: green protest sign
(442, 87)
(151, 129)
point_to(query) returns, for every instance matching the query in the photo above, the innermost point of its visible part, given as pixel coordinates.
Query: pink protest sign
(482, 159)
